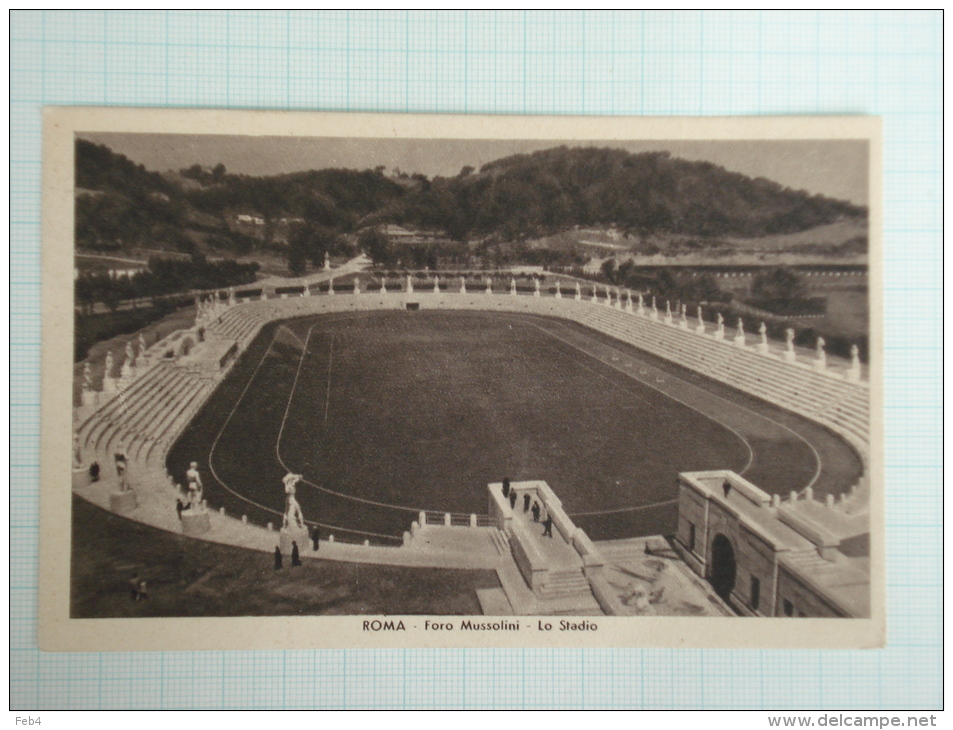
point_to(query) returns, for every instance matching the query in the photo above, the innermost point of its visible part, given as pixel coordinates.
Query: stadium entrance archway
(723, 566)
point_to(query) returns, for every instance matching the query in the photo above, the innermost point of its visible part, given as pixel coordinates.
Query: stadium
(638, 429)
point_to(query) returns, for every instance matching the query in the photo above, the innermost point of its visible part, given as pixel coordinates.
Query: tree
(377, 246)
(780, 283)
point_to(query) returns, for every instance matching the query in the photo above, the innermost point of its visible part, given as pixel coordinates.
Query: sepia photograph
(459, 380)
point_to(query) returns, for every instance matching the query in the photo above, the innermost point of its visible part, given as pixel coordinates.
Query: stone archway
(722, 568)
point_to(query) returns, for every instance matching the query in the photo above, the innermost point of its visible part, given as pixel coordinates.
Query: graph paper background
(633, 63)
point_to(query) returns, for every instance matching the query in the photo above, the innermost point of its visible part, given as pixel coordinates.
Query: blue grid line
(645, 62)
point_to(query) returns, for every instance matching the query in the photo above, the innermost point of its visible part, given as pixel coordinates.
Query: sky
(835, 168)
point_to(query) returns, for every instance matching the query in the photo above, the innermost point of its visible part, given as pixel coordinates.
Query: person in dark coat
(179, 507)
(548, 527)
(295, 555)
(94, 471)
(315, 537)
(526, 499)
(512, 499)
(535, 511)
(506, 486)
(277, 557)
(727, 487)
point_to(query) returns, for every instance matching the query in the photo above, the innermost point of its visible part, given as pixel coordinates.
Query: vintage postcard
(352, 380)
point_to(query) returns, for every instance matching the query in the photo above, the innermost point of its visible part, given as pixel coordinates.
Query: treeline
(508, 201)
(527, 196)
(164, 276)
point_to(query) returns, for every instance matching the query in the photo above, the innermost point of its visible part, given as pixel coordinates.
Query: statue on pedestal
(720, 330)
(740, 336)
(410, 285)
(293, 517)
(821, 358)
(194, 481)
(789, 344)
(463, 285)
(578, 291)
(331, 285)
(513, 287)
(641, 305)
(559, 292)
(436, 284)
(489, 285)
(87, 377)
(536, 290)
(120, 459)
(854, 372)
(109, 378)
(763, 331)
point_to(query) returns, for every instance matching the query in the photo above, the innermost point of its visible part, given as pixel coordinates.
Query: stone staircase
(564, 584)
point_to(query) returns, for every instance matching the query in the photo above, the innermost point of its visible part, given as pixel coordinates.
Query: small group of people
(295, 556)
(509, 492)
(137, 588)
(119, 458)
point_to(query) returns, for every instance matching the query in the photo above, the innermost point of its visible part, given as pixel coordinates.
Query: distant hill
(541, 196)
(643, 194)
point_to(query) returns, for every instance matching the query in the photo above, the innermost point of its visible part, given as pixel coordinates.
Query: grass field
(388, 413)
(187, 577)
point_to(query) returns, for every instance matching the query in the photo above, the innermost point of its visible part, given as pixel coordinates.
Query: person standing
(535, 511)
(526, 499)
(315, 538)
(548, 526)
(277, 557)
(506, 486)
(295, 555)
(512, 499)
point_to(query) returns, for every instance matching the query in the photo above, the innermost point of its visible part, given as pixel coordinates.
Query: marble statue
(720, 330)
(109, 365)
(789, 344)
(763, 332)
(536, 289)
(489, 285)
(578, 291)
(740, 334)
(854, 372)
(436, 284)
(293, 516)
(513, 287)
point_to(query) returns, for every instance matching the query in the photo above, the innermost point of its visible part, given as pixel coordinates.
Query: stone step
(501, 542)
